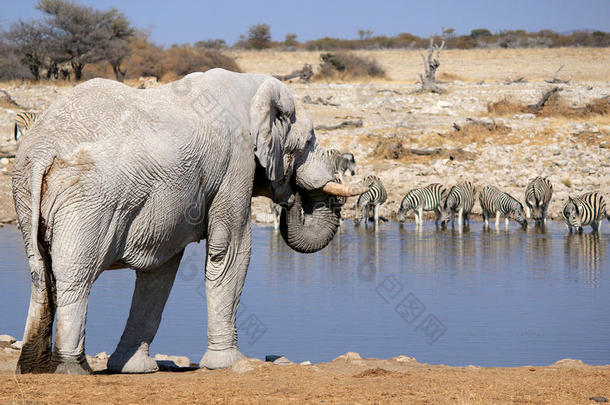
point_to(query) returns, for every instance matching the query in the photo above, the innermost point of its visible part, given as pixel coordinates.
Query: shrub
(259, 36)
(345, 65)
(185, 59)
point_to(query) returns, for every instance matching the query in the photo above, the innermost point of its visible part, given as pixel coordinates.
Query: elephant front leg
(227, 262)
(149, 297)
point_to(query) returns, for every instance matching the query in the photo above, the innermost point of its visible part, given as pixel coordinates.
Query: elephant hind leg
(38, 336)
(149, 297)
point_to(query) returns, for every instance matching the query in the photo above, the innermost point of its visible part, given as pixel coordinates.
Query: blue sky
(182, 21)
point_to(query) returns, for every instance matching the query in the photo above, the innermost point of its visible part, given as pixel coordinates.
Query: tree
(480, 32)
(116, 46)
(28, 40)
(291, 40)
(211, 44)
(84, 35)
(259, 36)
(364, 34)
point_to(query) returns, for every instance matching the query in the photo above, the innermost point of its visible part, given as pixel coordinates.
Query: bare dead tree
(305, 74)
(431, 63)
(556, 80)
(545, 97)
(12, 101)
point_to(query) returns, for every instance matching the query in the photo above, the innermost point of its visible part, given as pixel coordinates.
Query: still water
(495, 298)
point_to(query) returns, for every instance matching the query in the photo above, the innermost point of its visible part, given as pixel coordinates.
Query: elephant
(116, 177)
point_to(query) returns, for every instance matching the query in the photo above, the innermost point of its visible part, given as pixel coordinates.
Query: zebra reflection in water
(585, 254)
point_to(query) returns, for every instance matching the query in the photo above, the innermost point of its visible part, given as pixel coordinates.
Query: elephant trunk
(311, 222)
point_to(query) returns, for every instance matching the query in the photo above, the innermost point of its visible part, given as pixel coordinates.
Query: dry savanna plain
(480, 129)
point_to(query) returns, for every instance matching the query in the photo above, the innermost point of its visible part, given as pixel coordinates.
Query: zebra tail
(16, 134)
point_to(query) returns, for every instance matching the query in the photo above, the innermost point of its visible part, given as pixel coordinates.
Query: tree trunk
(118, 73)
(78, 70)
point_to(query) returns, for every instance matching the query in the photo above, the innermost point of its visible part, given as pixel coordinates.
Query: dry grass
(554, 107)
(472, 65)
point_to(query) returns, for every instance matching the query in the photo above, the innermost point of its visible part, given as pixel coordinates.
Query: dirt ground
(343, 381)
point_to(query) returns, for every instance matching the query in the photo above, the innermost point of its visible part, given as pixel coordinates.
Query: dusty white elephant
(113, 177)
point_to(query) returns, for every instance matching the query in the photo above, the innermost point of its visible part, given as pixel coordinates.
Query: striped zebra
(339, 163)
(538, 194)
(494, 201)
(460, 199)
(276, 212)
(373, 198)
(429, 198)
(586, 209)
(24, 121)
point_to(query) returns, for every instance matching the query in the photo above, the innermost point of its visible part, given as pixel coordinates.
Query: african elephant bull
(113, 177)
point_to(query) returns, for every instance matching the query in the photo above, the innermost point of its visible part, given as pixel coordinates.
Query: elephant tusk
(341, 190)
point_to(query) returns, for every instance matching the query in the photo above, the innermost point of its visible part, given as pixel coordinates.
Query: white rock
(7, 339)
(403, 359)
(4, 161)
(305, 363)
(102, 356)
(526, 116)
(246, 364)
(17, 345)
(282, 361)
(349, 356)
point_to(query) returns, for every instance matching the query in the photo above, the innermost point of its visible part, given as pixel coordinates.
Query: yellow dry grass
(472, 65)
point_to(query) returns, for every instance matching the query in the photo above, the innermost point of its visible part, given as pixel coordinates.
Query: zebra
(460, 199)
(495, 201)
(373, 198)
(24, 121)
(276, 212)
(585, 209)
(339, 163)
(538, 194)
(429, 198)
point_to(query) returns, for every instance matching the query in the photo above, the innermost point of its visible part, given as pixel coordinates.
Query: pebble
(247, 364)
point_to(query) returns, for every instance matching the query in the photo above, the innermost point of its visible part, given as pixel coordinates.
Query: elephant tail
(38, 268)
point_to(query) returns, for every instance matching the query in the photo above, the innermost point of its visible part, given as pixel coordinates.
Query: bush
(259, 37)
(345, 65)
(185, 59)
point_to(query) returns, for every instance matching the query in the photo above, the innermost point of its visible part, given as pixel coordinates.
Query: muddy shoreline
(347, 379)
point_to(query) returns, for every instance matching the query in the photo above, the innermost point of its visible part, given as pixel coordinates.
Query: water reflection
(585, 253)
(506, 297)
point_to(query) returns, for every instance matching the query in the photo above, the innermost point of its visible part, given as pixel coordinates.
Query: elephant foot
(71, 365)
(135, 361)
(213, 359)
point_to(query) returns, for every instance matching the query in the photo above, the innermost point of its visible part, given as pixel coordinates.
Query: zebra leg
(376, 214)
(460, 218)
(506, 222)
(497, 219)
(421, 215)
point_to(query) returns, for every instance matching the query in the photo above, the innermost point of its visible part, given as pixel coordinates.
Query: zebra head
(348, 163)
(447, 205)
(572, 213)
(518, 214)
(405, 206)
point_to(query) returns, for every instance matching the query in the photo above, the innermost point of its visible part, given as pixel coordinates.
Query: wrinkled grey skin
(113, 177)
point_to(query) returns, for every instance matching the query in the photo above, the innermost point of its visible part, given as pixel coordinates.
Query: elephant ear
(271, 115)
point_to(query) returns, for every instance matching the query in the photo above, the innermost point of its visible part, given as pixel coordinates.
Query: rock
(305, 363)
(4, 161)
(599, 399)
(403, 359)
(17, 345)
(526, 116)
(180, 361)
(569, 363)
(349, 356)
(7, 339)
(246, 364)
(283, 361)
(102, 356)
